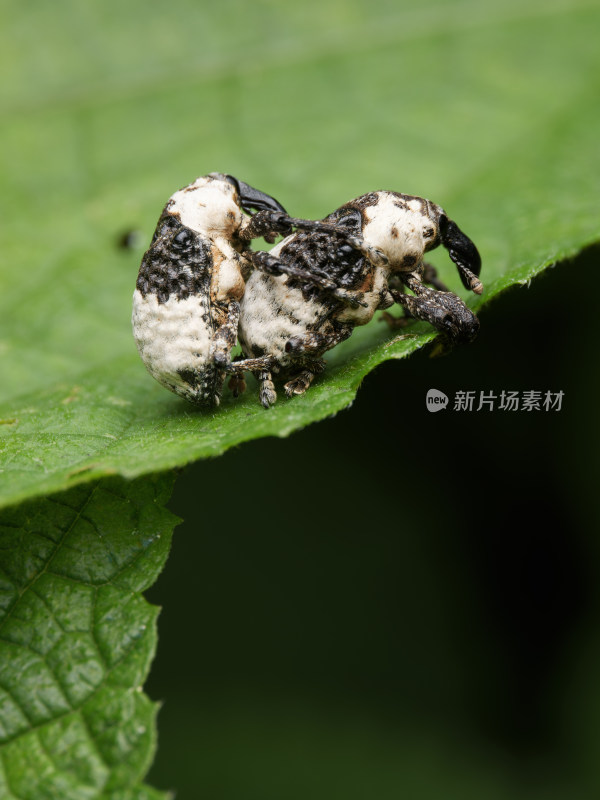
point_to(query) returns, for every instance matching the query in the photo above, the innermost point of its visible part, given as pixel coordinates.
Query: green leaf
(77, 638)
(490, 110)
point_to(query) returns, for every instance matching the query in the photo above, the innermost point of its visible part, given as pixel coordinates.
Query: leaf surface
(77, 638)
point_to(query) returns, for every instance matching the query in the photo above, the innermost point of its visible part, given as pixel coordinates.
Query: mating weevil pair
(200, 285)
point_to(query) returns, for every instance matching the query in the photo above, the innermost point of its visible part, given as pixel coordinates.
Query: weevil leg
(315, 343)
(269, 224)
(267, 263)
(444, 310)
(261, 368)
(266, 390)
(448, 300)
(225, 336)
(237, 382)
(241, 365)
(423, 309)
(301, 382)
(267, 221)
(388, 300)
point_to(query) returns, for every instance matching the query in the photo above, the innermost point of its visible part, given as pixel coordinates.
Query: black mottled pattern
(178, 263)
(328, 255)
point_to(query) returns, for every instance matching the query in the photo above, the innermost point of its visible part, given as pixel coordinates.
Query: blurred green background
(390, 603)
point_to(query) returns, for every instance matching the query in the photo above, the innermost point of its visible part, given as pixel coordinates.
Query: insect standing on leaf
(374, 251)
(186, 304)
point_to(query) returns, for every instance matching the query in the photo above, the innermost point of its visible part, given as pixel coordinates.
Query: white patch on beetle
(415, 204)
(227, 279)
(171, 337)
(208, 206)
(372, 297)
(266, 320)
(396, 230)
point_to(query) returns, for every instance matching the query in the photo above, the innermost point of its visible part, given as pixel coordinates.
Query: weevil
(186, 303)
(373, 249)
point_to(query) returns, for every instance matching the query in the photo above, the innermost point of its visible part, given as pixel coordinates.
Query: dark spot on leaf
(130, 239)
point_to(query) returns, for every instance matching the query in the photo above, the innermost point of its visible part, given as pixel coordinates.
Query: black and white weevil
(186, 304)
(373, 251)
